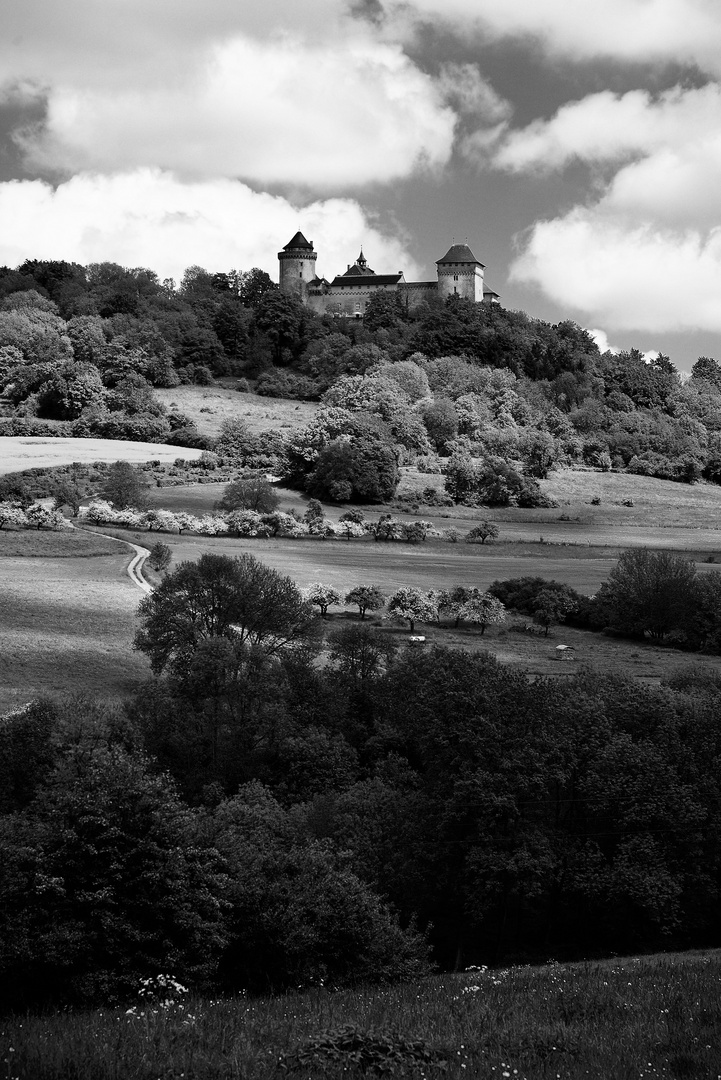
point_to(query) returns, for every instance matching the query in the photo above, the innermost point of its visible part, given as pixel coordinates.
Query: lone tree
(124, 486)
(249, 493)
(486, 530)
(238, 598)
(160, 556)
(322, 596)
(366, 597)
(411, 605)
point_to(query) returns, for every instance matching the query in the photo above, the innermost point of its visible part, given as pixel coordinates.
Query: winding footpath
(134, 568)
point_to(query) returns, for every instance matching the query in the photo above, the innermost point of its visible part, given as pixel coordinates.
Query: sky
(576, 147)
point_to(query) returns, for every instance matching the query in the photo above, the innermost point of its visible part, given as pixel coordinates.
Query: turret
(460, 274)
(297, 266)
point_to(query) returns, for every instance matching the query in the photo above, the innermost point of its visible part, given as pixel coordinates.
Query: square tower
(460, 274)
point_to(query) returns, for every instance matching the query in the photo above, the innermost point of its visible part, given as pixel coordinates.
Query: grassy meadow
(208, 406)
(625, 1019)
(35, 452)
(68, 617)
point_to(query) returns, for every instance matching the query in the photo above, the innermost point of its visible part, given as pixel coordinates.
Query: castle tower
(297, 266)
(460, 274)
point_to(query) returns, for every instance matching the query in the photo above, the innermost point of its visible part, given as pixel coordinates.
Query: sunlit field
(67, 622)
(612, 1020)
(208, 406)
(36, 452)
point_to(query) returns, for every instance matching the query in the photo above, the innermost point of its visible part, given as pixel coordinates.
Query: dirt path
(134, 568)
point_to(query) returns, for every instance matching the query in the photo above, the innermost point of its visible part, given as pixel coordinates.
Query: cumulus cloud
(626, 275)
(646, 254)
(629, 30)
(606, 127)
(278, 112)
(299, 96)
(148, 218)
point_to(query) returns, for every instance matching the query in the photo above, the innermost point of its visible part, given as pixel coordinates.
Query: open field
(34, 452)
(73, 544)
(627, 1019)
(66, 624)
(659, 504)
(344, 564)
(208, 406)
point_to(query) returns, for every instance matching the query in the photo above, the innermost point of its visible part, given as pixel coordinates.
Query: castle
(459, 273)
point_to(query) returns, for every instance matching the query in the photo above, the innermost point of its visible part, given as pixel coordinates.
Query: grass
(73, 544)
(614, 1020)
(67, 623)
(35, 452)
(208, 406)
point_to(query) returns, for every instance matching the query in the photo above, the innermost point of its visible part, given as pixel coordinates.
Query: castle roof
(365, 278)
(459, 253)
(298, 243)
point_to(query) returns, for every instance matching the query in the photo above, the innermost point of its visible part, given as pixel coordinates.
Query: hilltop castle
(459, 273)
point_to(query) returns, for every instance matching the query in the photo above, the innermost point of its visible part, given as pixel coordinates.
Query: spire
(361, 260)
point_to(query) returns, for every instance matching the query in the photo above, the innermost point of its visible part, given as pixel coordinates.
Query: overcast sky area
(575, 146)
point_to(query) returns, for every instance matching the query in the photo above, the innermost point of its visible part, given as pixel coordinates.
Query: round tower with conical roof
(297, 266)
(460, 274)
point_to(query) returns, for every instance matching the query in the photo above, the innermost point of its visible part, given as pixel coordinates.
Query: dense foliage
(504, 396)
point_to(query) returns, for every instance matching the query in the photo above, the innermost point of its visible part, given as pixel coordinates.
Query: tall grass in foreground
(649, 1017)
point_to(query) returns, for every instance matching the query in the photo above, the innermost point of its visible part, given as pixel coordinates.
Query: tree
(239, 598)
(483, 609)
(367, 598)
(487, 530)
(124, 486)
(352, 523)
(67, 494)
(249, 493)
(461, 478)
(364, 470)
(127, 890)
(650, 592)
(160, 556)
(450, 602)
(441, 421)
(551, 607)
(411, 605)
(358, 653)
(322, 596)
(539, 453)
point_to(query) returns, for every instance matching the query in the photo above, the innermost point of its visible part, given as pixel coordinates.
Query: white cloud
(629, 30)
(287, 93)
(267, 112)
(606, 127)
(601, 339)
(148, 218)
(626, 275)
